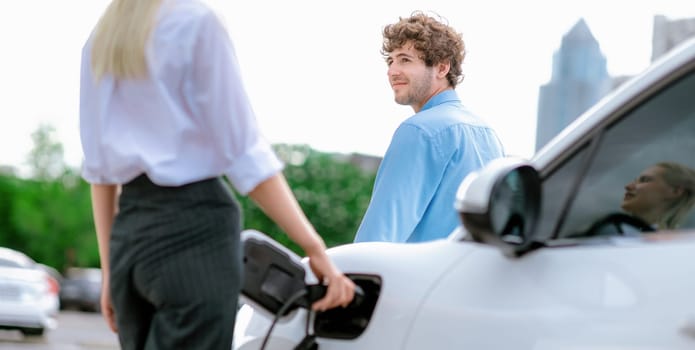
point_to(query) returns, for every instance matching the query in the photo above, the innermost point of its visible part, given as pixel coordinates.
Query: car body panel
(27, 302)
(608, 296)
(24, 302)
(575, 297)
(431, 261)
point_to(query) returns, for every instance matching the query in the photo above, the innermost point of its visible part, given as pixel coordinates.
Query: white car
(81, 289)
(28, 294)
(546, 256)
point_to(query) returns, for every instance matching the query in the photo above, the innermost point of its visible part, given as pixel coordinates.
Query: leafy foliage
(46, 158)
(333, 193)
(50, 220)
(49, 216)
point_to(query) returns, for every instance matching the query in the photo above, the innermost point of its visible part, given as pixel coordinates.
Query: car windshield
(9, 263)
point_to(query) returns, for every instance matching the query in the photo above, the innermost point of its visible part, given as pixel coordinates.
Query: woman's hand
(276, 199)
(340, 289)
(107, 307)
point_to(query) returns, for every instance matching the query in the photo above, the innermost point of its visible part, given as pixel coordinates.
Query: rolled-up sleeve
(221, 99)
(94, 168)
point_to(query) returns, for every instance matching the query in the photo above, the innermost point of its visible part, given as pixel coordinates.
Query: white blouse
(190, 120)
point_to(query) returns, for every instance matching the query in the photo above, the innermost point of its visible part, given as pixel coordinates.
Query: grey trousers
(176, 265)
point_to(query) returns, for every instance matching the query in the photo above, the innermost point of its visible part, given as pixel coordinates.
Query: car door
(597, 283)
(608, 296)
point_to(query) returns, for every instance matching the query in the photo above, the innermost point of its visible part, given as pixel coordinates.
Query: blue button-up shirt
(429, 155)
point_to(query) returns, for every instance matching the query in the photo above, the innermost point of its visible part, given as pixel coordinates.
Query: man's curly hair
(437, 41)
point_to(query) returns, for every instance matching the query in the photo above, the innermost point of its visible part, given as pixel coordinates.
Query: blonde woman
(164, 115)
(662, 195)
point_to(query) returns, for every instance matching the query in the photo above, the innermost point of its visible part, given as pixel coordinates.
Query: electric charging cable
(290, 301)
(312, 293)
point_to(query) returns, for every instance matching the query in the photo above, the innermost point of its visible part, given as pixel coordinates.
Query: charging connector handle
(318, 291)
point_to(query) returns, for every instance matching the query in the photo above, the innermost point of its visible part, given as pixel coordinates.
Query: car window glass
(12, 258)
(661, 130)
(9, 263)
(555, 191)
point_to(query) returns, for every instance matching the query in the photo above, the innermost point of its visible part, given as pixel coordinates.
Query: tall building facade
(668, 33)
(579, 79)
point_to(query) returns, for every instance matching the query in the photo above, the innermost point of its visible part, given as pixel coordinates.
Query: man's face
(410, 79)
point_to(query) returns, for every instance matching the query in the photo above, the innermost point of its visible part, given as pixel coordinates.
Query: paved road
(75, 331)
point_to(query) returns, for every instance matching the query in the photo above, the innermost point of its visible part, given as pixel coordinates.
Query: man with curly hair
(434, 149)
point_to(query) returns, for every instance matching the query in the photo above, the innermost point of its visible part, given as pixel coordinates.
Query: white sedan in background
(28, 294)
(546, 257)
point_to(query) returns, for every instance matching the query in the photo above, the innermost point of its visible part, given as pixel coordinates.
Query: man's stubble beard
(419, 90)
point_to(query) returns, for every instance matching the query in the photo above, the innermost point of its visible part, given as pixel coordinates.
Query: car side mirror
(500, 204)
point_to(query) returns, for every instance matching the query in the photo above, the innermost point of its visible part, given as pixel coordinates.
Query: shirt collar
(448, 95)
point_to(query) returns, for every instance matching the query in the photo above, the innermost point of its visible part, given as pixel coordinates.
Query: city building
(8, 170)
(668, 33)
(579, 79)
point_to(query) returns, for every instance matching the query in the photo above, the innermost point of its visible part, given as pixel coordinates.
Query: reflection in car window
(660, 130)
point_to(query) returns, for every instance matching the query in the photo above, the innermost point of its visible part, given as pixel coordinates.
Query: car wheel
(32, 331)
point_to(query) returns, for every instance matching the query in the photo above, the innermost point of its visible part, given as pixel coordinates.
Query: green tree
(55, 223)
(333, 193)
(49, 216)
(8, 189)
(46, 157)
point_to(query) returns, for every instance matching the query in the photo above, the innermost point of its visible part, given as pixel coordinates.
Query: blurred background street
(76, 330)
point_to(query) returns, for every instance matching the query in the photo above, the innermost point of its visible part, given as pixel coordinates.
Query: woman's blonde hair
(120, 39)
(677, 176)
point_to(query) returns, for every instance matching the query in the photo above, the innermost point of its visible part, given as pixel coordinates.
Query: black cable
(300, 293)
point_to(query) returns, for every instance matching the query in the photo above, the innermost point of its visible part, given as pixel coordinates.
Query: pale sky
(313, 69)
